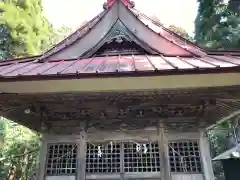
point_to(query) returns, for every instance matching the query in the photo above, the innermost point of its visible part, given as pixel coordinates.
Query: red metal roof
(127, 3)
(115, 65)
(78, 34)
(168, 34)
(119, 65)
(157, 28)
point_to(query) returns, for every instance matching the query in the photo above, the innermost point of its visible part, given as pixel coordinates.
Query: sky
(72, 13)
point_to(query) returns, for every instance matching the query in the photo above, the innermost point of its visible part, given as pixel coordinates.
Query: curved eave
(118, 66)
(78, 34)
(118, 10)
(122, 74)
(74, 48)
(115, 26)
(169, 35)
(149, 36)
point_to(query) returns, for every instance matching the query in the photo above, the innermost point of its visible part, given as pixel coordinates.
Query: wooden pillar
(42, 160)
(81, 157)
(165, 170)
(206, 156)
(122, 162)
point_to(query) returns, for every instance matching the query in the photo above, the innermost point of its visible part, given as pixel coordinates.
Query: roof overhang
(119, 73)
(184, 110)
(111, 83)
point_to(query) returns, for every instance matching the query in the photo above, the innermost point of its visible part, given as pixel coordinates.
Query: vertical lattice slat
(185, 157)
(109, 162)
(139, 161)
(61, 159)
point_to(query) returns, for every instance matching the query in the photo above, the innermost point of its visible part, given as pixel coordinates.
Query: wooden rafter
(186, 109)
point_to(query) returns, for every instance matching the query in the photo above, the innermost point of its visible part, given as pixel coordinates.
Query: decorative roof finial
(109, 3)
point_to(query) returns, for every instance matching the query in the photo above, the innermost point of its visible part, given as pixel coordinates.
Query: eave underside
(184, 110)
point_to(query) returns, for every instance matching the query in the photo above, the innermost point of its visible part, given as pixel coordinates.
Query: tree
(5, 42)
(234, 5)
(217, 24)
(180, 31)
(28, 29)
(58, 35)
(24, 31)
(18, 156)
(222, 138)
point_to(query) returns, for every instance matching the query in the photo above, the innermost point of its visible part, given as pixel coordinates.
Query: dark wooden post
(81, 171)
(42, 159)
(206, 157)
(165, 173)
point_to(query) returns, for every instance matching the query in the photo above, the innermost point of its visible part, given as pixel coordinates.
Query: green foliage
(5, 41)
(24, 31)
(28, 29)
(222, 138)
(180, 31)
(61, 34)
(217, 24)
(58, 35)
(20, 151)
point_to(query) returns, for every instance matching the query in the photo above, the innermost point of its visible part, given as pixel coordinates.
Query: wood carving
(183, 110)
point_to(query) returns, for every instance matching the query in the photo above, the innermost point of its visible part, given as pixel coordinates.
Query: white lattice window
(185, 157)
(61, 159)
(108, 162)
(141, 161)
(146, 159)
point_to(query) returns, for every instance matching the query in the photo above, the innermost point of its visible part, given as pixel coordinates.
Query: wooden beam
(42, 160)
(121, 84)
(206, 157)
(165, 171)
(81, 154)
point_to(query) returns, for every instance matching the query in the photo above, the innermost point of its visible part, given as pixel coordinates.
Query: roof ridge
(127, 3)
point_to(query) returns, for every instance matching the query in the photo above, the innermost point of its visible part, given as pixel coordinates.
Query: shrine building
(122, 98)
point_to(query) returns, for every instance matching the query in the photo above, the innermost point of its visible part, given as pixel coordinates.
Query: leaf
(217, 25)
